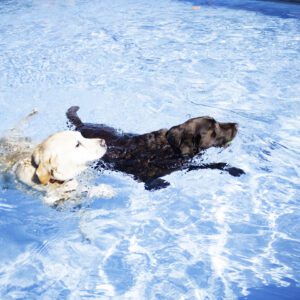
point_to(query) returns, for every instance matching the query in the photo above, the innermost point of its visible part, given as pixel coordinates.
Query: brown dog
(152, 155)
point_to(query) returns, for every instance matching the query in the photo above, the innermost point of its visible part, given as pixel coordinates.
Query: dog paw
(236, 172)
(102, 190)
(156, 184)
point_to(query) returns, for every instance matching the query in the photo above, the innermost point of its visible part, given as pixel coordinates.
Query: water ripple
(140, 66)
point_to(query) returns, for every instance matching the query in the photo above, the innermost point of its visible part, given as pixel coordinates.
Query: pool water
(140, 66)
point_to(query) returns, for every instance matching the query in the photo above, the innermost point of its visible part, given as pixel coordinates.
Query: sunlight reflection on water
(141, 66)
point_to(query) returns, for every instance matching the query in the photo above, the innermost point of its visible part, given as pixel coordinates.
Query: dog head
(65, 154)
(200, 133)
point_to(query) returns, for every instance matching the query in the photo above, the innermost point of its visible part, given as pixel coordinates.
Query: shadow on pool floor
(278, 8)
(273, 292)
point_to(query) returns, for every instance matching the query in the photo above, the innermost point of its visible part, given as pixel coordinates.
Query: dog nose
(236, 127)
(102, 143)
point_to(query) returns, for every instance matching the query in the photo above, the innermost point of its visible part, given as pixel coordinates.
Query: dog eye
(78, 144)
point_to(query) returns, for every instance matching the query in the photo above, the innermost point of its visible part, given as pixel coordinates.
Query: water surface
(141, 66)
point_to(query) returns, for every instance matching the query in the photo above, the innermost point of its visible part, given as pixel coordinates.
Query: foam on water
(141, 66)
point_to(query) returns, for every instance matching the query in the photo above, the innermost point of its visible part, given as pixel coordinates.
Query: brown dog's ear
(184, 139)
(174, 137)
(43, 173)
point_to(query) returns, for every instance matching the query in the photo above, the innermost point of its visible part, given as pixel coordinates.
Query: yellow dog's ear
(43, 173)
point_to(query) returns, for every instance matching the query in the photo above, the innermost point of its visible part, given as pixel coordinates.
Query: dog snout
(235, 129)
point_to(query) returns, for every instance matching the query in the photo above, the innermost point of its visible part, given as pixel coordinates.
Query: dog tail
(73, 117)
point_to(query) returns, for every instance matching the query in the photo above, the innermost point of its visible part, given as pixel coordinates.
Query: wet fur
(51, 166)
(153, 155)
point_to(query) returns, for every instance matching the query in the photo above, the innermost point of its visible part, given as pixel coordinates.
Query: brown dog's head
(200, 133)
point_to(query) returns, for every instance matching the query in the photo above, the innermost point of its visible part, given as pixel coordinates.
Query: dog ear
(184, 139)
(43, 173)
(174, 137)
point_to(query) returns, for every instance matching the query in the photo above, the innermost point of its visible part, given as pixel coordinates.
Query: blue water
(140, 66)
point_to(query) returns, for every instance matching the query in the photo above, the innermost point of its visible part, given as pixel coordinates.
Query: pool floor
(141, 66)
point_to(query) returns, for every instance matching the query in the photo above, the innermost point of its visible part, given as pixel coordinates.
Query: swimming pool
(140, 66)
